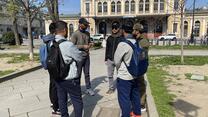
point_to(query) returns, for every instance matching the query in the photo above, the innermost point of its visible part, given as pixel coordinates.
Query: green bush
(9, 38)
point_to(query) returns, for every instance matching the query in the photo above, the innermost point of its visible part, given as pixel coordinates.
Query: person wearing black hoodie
(111, 45)
(52, 87)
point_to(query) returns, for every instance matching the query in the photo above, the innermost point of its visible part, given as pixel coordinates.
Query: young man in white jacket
(128, 91)
(68, 86)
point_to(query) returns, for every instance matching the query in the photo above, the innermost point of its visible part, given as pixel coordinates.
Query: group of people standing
(131, 91)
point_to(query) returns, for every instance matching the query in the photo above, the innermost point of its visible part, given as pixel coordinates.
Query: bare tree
(52, 6)
(31, 9)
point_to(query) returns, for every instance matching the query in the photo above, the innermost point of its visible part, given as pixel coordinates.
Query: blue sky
(73, 6)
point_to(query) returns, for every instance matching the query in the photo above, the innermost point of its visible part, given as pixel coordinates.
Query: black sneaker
(56, 112)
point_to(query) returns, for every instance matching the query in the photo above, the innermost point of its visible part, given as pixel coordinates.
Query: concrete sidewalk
(28, 96)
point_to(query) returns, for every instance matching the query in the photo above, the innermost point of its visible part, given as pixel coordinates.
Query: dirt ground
(191, 95)
(16, 66)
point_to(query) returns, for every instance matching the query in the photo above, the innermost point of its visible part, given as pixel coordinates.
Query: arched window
(71, 29)
(147, 6)
(113, 6)
(105, 7)
(127, 7)
(119, 7)
(197, 28)
(132, 6)
(158, 27)
(141, 6)
(161, 5)
(155, 6)
(99, 7)
(185, 28)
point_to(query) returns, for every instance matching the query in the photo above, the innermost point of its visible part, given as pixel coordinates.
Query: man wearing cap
(143, 43)
(128, 90)
(111, 45)
(81, 38)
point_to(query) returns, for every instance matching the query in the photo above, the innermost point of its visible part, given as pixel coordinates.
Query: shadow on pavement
(186, 109)
(91, 101)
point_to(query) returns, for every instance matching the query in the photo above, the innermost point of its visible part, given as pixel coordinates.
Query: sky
(73, 6)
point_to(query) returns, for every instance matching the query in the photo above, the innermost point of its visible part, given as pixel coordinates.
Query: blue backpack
(139, 60)
(43, 53)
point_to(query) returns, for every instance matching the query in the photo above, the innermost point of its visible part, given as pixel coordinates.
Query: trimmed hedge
(9, 38)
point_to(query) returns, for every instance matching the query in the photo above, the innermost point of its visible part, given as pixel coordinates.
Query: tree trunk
(16, 34)
(29, 31)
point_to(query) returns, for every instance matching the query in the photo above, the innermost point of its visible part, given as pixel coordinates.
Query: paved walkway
(27, 95)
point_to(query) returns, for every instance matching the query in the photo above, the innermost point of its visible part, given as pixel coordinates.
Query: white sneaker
(90, 92)
(143, 109)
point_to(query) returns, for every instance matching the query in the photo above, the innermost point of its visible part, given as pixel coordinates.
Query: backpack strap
(61, 40)
(130, 43)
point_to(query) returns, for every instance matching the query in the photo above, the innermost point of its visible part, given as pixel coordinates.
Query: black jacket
(111, 45)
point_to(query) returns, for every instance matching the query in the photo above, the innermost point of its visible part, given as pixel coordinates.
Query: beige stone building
(157, 16)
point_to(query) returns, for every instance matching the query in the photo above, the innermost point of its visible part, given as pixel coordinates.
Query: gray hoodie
(123, 54)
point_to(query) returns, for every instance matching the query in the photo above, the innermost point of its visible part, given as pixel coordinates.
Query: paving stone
(109, 112)
(4, 113)
(197, 77)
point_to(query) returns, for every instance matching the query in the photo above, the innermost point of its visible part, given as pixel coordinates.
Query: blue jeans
(71, 87)
(128, 97)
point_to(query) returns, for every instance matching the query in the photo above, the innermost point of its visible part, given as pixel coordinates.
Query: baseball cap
(83, 21)
(115, 25)
(138, 27)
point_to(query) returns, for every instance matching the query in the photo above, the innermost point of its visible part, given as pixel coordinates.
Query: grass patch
(18, 58)
(163, 99)
(175, 60)
(188, 76)
(2, 73)
(186, 47)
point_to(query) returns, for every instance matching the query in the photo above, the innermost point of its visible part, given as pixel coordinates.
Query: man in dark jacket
(52, 87)
(111, 45)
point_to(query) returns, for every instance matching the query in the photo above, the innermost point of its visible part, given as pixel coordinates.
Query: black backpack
(57, 68)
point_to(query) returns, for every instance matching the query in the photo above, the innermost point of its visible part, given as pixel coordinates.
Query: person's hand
(91, 44)
(86, 47)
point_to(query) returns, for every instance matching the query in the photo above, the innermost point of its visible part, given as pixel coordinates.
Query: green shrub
(9, 38)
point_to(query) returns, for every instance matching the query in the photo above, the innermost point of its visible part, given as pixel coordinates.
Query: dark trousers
(128, 97)
(71, 87)
(142, 90)
(85, 65)
(53, 94)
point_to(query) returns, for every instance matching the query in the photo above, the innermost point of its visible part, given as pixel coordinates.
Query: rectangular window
(176, 4)
(146, 7)
(119, 9)
(87, 8)
(161, 7)
(155, 7)
(175, 25)
(140, 7)
(185, 30)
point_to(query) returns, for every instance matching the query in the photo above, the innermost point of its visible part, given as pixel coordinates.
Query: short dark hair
(60, 25)
(52, 28)
(127, 27)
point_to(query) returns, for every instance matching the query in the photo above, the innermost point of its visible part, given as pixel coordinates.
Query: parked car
(97, 38)
(167, 37)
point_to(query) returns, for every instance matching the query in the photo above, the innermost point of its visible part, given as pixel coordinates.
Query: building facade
(157, 16)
